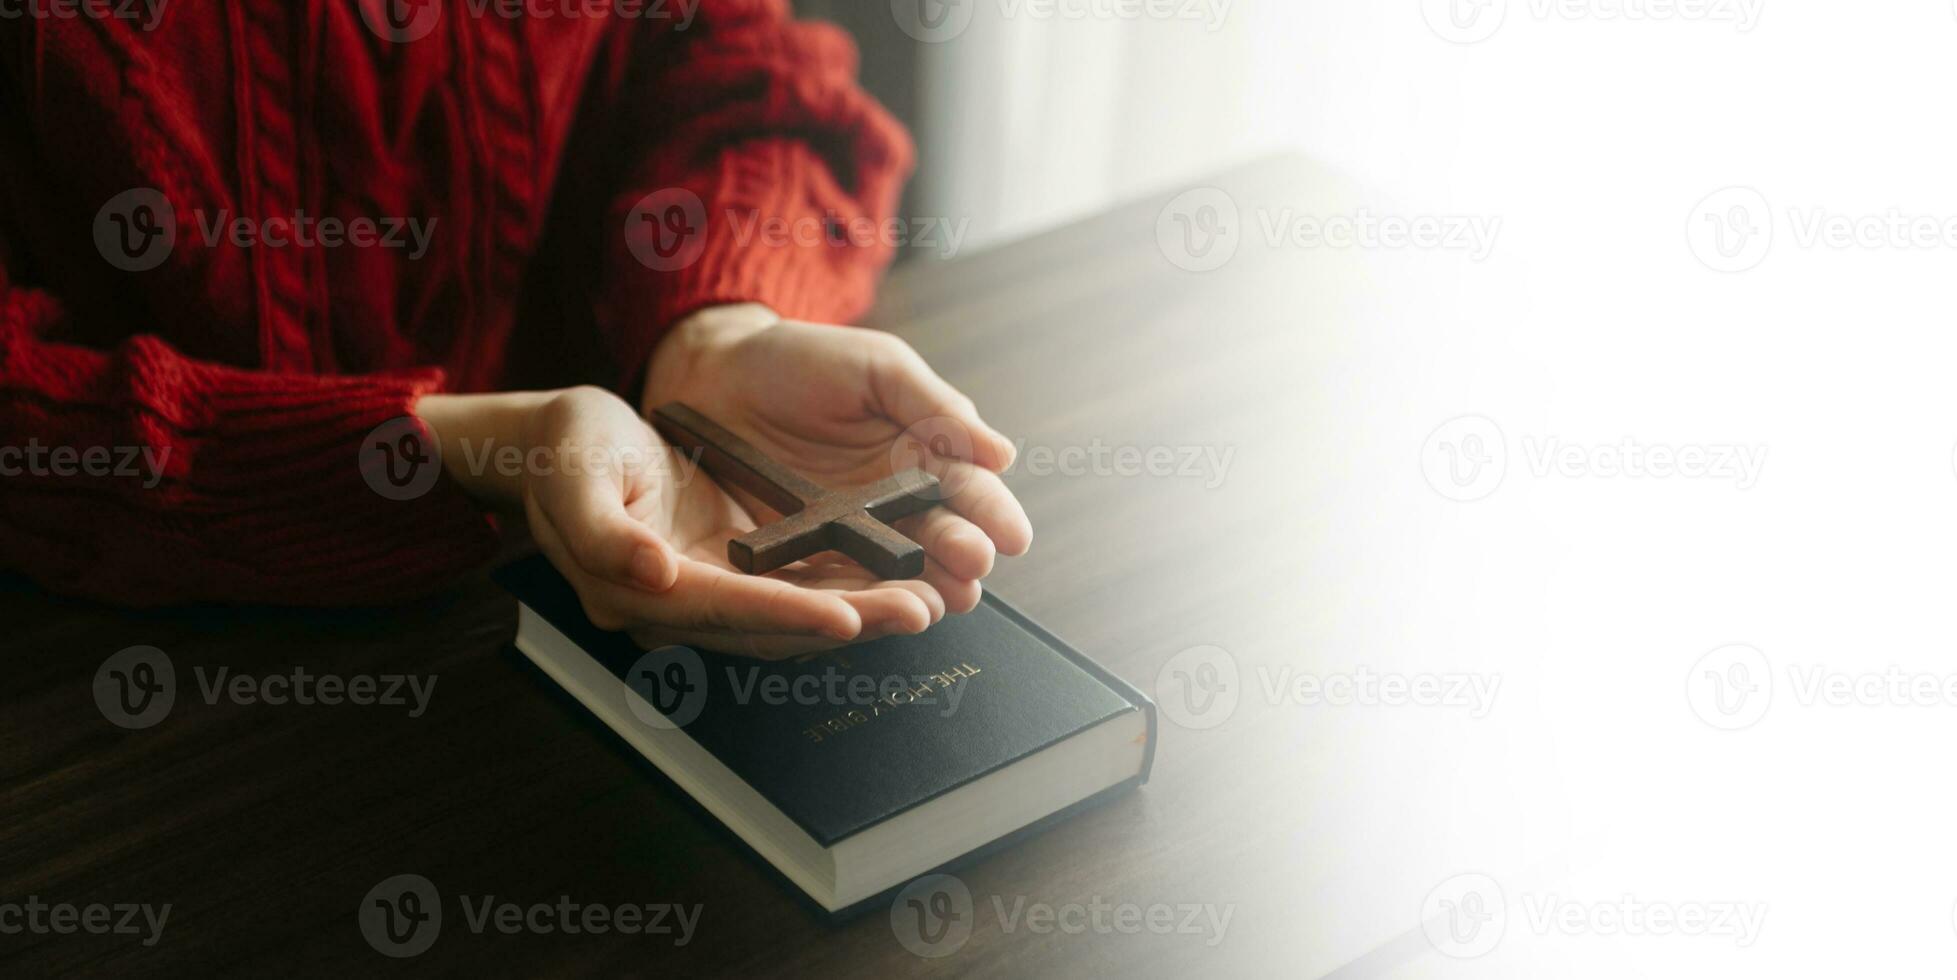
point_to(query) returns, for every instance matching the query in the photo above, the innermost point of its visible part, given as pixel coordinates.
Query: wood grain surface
(266, 825)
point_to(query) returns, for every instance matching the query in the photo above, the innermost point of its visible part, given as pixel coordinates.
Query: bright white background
(1593, 139)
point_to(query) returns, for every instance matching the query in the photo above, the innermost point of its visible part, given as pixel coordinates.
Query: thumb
(935, 415)
(589, 517)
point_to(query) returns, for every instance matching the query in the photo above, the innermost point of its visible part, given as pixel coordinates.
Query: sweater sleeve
(764, 174)
(140, 476)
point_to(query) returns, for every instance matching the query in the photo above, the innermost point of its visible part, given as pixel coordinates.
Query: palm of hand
(698, 517)
(808, 406)
(643, 539)
(842, 407)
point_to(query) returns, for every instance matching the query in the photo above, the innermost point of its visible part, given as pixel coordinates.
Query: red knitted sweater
(182, 420)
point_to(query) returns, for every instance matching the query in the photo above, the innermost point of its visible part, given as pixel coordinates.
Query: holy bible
(855, 771)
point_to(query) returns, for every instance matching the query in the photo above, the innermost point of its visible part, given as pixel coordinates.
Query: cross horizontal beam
(854, 521)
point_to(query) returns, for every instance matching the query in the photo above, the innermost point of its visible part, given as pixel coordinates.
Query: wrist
(692, 344)
(470, 429)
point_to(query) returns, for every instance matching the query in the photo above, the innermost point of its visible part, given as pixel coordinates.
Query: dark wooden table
(264, 826)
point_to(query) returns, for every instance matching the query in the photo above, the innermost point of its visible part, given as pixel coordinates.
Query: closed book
(854, 771)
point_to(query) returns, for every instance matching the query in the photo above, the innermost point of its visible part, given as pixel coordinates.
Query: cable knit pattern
(244, 377)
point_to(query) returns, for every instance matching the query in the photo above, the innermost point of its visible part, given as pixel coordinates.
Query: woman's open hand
(844, 407)
(642, 535)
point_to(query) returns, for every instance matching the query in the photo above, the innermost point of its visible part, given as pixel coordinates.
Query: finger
(904, 605)
(960, 595)
(941, 591)
(981, 496)
(834, 572)
(934, 601)
(759, 646)
(889, 610)
(934, 412)
(779, 647)
(957, 544)
(608, 605)
(709, 599)
(589, 517)
(714, 598)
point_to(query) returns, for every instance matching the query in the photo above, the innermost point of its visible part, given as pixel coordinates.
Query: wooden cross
(854, 521)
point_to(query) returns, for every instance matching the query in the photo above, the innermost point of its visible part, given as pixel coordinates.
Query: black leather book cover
(843, 740)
